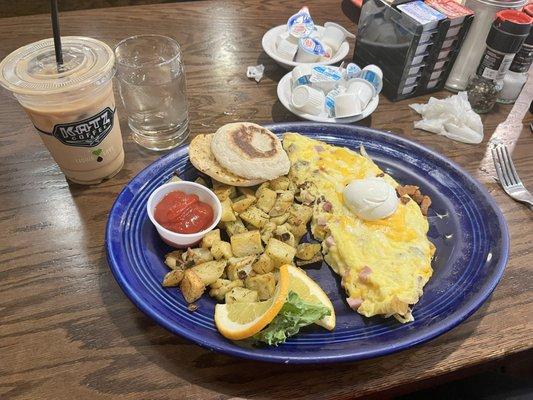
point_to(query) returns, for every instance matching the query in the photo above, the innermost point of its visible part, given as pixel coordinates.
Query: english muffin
(204, 161)
(250, 151)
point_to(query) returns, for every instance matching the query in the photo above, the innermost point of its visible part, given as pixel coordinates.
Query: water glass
(152, 86)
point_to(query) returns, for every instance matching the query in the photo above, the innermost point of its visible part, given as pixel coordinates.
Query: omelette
(383, 264)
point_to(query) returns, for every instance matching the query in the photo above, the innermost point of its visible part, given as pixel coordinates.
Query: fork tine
(510, 165)
(505, 166)
(497, 165)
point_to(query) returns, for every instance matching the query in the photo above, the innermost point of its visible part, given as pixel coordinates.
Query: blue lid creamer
(330, 100)
(324, 72)
(373, 78)
(301, 24)
(352, 71)
(313, 46)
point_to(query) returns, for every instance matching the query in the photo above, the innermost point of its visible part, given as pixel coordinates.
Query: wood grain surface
(66, 329)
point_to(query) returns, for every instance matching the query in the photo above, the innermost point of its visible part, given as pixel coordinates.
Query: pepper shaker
(507, 34)
(516, 78)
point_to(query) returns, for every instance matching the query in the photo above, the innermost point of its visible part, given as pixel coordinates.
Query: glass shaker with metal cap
(516, 77)
(506, 36)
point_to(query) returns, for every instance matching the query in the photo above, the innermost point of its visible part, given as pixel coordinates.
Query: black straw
(57, 34)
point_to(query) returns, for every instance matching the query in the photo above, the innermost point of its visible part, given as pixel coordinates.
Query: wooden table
(66, 329)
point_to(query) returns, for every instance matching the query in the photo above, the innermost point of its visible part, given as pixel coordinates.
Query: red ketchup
(183, 213)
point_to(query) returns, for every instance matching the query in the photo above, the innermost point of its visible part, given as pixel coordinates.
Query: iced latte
(72, 106)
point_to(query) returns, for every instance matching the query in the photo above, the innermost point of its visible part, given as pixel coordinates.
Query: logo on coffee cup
(89, 132)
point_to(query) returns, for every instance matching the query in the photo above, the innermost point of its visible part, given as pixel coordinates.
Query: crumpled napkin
(255, 72)
(452, 117)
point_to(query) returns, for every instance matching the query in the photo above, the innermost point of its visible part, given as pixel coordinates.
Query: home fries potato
(261, 228)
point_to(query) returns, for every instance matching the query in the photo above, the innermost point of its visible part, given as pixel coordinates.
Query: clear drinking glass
(153, 90)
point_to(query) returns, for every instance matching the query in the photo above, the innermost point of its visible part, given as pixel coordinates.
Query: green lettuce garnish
(294, 315)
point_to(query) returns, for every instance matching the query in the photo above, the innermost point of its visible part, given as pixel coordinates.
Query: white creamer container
(474, 45)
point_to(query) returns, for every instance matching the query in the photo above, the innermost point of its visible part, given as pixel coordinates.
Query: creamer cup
(287, 50)
(330, 100)
(334, 35)
(363, 89)
(300, 25)
(347, 105)
(308, 100)
(352, 71)
(301, 75)
(325, 77)
(310, 50)
(373, 74)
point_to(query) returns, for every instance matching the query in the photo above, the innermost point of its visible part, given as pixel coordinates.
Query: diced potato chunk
(227, 211)
(306, 251)
(298, 231)
(221, 250)
(267, 231)
(191, 286)
(240, 204)
(283, 234)
(210, 238)
(280, 252)
(264, 285)
(263, 265)
(173, 259)
(173, 278)
(281, 219)
(281, 183)
(201, 181)
(282, 204)
(197, 256)
(234, 227)
(266, 199)
(300, 214)
(246, 191)
(260, 189)
(241, 295)
(254, 216)
(247, 243)
(239, 268)
(223, 191)
(219, 289)
(210, 271)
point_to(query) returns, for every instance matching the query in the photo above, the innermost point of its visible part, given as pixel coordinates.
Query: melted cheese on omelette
(384, 264)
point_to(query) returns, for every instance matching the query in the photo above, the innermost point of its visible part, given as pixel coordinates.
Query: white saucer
(284, 96)
(269, 46)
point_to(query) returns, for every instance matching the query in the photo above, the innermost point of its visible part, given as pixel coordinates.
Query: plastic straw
(57, 33)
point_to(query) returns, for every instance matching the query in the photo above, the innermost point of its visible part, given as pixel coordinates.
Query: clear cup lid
(32, 69)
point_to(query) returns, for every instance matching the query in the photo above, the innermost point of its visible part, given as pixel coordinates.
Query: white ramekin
(183, 240)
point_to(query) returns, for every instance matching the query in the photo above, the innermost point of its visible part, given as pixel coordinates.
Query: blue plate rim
(232, 350)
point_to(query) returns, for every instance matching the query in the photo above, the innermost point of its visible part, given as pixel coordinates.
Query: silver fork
(509, 179)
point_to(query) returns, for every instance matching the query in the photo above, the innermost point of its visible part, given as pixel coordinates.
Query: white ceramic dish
(284, 96)
(269, 46)
(181, 240)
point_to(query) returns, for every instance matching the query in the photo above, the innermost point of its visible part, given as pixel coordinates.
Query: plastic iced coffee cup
(72, 106)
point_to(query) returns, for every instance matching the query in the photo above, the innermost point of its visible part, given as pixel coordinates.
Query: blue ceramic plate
(466, 226)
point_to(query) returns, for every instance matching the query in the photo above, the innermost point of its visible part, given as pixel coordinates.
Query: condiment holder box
(409, 42)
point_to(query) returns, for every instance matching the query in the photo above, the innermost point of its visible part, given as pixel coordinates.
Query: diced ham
(327, 206)
(319, 148)
(330, 241)
(365, 273)
(424, 205)
(354, 303)
(405, 200)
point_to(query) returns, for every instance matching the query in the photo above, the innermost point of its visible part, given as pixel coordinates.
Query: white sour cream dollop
(371, 198)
